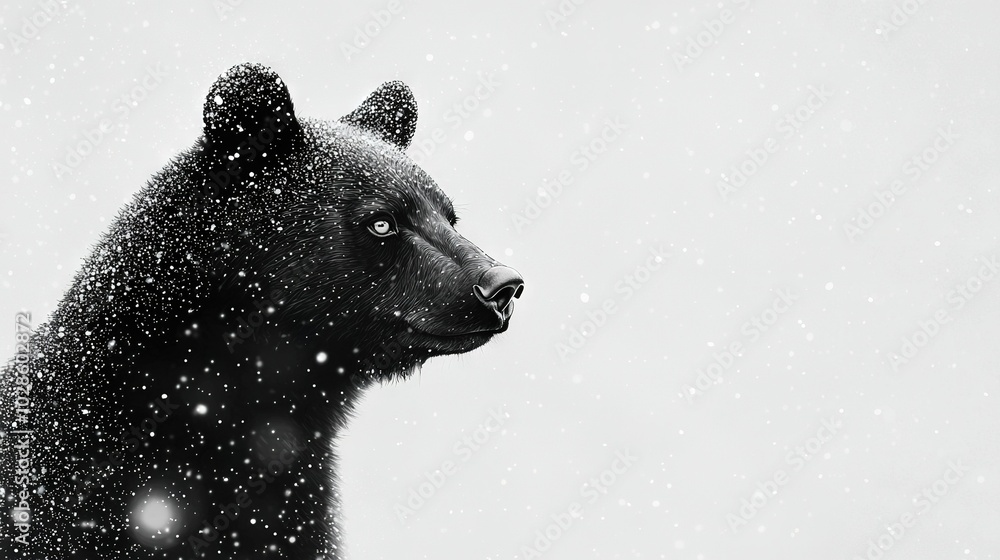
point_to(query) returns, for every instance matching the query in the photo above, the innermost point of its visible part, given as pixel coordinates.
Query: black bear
(183, 399)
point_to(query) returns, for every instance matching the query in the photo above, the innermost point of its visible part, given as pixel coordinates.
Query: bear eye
(382, 227)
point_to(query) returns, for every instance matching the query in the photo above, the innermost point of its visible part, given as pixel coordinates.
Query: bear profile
(183, 398)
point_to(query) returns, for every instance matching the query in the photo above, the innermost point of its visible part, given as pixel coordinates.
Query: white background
(689, 121)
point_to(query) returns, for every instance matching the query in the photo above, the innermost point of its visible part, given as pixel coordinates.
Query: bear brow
(449, 211)
(438, 198)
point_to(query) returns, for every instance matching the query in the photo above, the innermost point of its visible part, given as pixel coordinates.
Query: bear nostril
(498, 286)
(503, 298)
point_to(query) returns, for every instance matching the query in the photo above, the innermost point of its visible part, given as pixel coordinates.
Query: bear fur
(183, 399)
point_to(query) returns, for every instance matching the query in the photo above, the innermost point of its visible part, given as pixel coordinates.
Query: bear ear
(249, 103)
(390, 113)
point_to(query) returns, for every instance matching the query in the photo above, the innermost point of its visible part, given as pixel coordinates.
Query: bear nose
(498, 286)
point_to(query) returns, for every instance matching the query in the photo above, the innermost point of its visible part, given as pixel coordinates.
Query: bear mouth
(482, 333)
(435, 336)
(503, 317)
(450, 343)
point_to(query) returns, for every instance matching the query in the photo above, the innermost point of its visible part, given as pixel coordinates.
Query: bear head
(355, 252)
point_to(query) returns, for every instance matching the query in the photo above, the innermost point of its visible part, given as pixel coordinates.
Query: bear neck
(148, 316)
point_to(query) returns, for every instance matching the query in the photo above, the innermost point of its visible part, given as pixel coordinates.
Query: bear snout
(497, 287)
